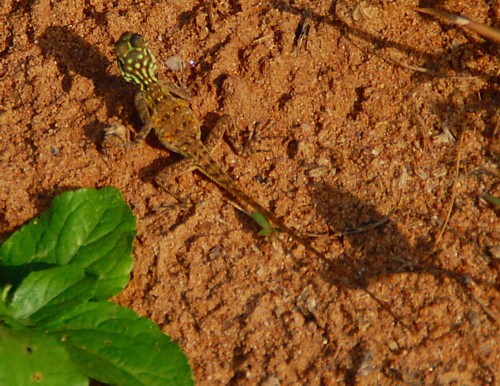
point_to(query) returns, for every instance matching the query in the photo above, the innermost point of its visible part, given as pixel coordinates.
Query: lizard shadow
(377, 252)
(380, 251)
(75, 55)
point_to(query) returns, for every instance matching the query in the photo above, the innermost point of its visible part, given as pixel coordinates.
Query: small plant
(265, 227)
(57, 326)
(492, 199)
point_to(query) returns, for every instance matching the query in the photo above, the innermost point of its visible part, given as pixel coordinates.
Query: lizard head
(136, 61)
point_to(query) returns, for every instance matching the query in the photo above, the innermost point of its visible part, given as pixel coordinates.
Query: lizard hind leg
(214, 137)
(224, 126)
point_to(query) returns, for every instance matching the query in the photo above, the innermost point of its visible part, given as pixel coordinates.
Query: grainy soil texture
(370, 128)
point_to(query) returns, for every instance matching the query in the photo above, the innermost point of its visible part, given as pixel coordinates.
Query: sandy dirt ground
(375, 134)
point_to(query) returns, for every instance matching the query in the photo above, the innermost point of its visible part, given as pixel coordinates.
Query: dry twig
(482, 29)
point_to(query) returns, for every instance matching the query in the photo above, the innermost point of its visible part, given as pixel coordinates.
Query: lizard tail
(217, 175)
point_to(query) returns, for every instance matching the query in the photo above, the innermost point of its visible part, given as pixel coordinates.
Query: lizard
(164, 108)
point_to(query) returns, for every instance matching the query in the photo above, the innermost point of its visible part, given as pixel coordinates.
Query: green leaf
(492, 199)
(263, 222)
(53, 272)
(50, 292)
(89, 229)
(113, 345)
(31, 358)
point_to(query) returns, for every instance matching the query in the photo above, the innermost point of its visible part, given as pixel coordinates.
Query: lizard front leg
(145, 115)
(123, 134)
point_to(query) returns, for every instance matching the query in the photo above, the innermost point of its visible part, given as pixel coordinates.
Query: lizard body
(161, 107)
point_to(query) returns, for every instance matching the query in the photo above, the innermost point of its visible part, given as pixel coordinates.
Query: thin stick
(454, 192)
(482, 29)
